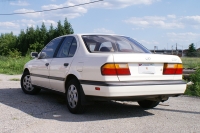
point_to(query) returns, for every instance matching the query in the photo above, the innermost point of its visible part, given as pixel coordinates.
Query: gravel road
(47, 113)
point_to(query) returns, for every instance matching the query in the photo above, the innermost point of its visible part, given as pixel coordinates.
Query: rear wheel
(73, 97)
(27, 86)
(148, 103)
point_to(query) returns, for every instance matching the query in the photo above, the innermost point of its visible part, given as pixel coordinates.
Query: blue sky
(161, 23)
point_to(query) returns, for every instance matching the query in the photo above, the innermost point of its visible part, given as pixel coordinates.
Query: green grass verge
(191, 62)
(12, 66)
(15, 79)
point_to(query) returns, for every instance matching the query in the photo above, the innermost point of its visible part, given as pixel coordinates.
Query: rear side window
(73, 48)
(112, 43)
(67, 48)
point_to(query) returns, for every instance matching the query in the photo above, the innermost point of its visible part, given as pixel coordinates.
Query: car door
(60, 65)
(40, 67)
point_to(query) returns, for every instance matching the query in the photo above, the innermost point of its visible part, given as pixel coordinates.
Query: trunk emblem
(148, 58)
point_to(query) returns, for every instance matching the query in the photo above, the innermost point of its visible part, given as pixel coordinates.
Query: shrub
(11, 66)
(194, 89)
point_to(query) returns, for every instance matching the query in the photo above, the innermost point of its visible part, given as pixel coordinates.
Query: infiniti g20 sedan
(93, 67)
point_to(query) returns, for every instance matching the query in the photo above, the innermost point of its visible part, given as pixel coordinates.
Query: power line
(54, 8)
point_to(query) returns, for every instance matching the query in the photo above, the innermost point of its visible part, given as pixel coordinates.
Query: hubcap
(27, 83)
(72, 96)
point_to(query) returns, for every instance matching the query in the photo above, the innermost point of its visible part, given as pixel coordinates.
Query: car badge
(148, 58)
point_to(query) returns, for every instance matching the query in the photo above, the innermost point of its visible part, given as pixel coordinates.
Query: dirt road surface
(47, 113)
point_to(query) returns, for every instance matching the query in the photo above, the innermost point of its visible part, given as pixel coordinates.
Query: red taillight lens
(115, 69)
(108, 69)
(172, 69)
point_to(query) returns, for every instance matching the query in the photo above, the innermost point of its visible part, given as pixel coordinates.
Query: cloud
(31, 15)
(114, 4)
(31, 23)
(103, 30)
(192, 18)
(155, 21)
(19, 3)
(193, 21)
(171, 16)
(186, 37)
(153, 42)
(8, 25)
(70, 13)
(78, 11)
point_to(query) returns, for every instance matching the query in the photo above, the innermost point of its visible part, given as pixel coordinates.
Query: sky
(160, 23)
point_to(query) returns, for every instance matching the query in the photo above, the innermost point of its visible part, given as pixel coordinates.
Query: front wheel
(73, 97)
(27, 86)
(148, 103)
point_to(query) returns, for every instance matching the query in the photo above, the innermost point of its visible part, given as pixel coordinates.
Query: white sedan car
(90, 67)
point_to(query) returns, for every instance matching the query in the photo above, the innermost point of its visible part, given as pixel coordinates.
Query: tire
(148, 103)
(26, 84)
(73, 97)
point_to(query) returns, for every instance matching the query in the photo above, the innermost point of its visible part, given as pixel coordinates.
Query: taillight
(115, 69)
(172, 69)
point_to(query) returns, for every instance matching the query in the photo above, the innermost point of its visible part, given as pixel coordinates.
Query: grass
(12, 66)
(191, 62)
(15, 79)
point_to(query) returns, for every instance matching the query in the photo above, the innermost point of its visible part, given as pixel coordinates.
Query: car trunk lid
(145, 66)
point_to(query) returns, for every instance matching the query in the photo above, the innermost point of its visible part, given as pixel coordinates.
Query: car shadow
(48, 105)
(178, 111)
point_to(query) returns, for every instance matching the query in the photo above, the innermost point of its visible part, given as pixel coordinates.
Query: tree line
(192, 51)
(32, 39)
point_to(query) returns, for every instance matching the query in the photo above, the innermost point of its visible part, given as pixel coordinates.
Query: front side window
(112, 43)
(49, 50)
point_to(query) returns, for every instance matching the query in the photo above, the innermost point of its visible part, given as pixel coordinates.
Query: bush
(14, 54)
(194, 89)
(12, 66)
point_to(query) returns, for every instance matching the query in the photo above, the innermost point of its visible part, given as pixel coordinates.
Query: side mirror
(42, 55)
(34, 54)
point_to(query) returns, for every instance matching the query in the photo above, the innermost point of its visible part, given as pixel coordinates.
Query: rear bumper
(133, 88)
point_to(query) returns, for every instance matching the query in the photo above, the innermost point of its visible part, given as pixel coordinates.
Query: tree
(32, 39)
(21, 40)
(67, 27)
(7, 42)
(43, 34)
(191, 51)
(59, 30)
(51, 33)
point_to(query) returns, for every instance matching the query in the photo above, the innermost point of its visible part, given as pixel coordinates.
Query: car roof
(90, 34)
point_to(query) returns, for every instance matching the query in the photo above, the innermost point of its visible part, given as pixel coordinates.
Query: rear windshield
(112, 43)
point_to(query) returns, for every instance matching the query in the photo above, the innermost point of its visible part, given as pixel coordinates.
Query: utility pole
(182, 50)
(172, 50)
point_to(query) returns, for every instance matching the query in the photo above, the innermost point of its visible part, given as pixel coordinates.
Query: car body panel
(127, 91)
(40, 72)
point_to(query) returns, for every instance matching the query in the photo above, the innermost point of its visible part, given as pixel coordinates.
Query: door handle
(46, 64)
(66, 64)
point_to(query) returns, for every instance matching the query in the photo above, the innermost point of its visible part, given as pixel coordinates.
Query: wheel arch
(26, 70)
(70, 77)
(83, 98)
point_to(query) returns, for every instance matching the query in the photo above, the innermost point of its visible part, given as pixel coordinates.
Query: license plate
(146, 68)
